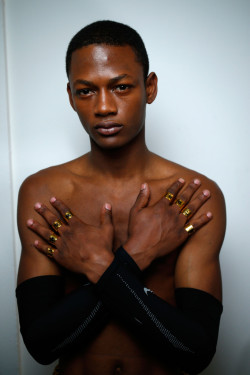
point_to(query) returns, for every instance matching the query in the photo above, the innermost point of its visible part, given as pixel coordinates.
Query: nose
(105, 103)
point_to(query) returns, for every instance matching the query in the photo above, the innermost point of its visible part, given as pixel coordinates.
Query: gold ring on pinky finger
(187, 212)
(180, 203)
(189, 229)
(169, 196)
(57, 224)
(52, 238)
(68, 215)
(50, 252)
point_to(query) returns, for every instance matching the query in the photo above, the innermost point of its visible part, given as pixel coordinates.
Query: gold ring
(180, 203)
(57, 224)
(189, 229)
(52, 238)
(68, 215)
(187, 212)
(50, 252)
(169, 196)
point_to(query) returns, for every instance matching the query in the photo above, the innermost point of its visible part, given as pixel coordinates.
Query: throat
(120, 163)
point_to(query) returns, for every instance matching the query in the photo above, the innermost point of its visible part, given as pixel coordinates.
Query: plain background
(200, 50)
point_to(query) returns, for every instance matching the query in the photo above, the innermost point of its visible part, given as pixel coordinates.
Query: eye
(83, 92)
(122, 87)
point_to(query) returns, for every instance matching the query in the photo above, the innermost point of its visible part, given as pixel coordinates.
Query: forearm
(51, 322)
(187, 334)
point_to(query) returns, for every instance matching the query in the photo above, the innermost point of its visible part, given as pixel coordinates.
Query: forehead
(98, 60)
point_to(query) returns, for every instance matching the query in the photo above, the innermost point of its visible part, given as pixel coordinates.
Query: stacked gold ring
(68, 215)
(52, 238)
(169, 196)
(187, 212)
(50, 252)
(57, 224)
(180, 203)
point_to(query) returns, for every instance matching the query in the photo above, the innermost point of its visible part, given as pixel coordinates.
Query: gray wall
(200, 51)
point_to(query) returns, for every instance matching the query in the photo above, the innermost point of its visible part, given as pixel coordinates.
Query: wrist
(142, 257)
(99, 267)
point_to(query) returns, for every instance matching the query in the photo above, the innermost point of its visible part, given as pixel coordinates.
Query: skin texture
(107, 90)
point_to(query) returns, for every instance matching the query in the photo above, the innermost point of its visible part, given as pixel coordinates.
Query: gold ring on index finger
(68, 215)
(169, 196)
(57, 224)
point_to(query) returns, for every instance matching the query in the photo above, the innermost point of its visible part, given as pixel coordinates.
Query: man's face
(107, 90)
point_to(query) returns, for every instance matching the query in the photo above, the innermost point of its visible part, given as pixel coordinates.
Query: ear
(151, 87)
(70, 96)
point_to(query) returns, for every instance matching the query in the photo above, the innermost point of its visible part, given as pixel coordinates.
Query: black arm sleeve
(186, 334)
(51, 322)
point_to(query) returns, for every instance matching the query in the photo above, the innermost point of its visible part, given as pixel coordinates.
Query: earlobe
(151, 87)
(70, 96)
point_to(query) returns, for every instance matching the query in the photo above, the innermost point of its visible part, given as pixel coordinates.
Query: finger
(50, 251)
(51, 218)
(186, 194)
(65, 211)
(106, 214)
(43, 232)
(142, 198)
(198, 223)
(173, 190)
(195, 204)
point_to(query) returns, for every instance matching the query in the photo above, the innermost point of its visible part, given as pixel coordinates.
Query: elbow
(200, 360)
(39, 349)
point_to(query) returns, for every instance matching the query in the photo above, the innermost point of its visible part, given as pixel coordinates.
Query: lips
(108, 128)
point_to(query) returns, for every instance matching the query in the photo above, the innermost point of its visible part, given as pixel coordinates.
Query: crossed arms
(187, 333)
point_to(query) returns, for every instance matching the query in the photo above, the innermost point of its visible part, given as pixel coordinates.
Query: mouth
(108, 128)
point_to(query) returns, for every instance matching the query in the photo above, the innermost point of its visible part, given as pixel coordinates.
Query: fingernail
(206, 193)
(197, 181)
(38, 205)
(210, 215)
(181, 180)
(143, 187)
(36, 243)
(30, 222)
(108, 206)
(52, 200)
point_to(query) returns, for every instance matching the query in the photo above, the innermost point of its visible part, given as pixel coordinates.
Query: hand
(77, 246)
(155, 231)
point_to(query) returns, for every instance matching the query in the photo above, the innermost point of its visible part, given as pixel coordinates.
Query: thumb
(106, 214)
(142, 198)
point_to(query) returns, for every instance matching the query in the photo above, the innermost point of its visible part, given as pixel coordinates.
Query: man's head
(109, 33)
(109, 85)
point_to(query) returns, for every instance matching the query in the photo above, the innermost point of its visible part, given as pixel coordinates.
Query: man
(152, 306)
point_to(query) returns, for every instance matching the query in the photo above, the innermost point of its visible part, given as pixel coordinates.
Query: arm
(187, 333)
(198, 263)
(51, 321)
(72, 253)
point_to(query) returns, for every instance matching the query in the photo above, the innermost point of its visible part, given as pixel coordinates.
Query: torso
(115, 350)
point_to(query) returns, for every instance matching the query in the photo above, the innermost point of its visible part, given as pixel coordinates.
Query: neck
(125, 162)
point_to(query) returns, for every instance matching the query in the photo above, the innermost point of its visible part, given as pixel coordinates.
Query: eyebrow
(90, 83)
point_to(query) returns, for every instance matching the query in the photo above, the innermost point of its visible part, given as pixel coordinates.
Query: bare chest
(86, 200)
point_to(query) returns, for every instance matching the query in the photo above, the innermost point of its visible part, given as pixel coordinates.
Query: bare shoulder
(40, 187)
(166, 172)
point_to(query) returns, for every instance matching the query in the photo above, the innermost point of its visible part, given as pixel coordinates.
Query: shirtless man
(152, 306)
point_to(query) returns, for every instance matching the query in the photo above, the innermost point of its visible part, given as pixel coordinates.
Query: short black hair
(111, 33)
